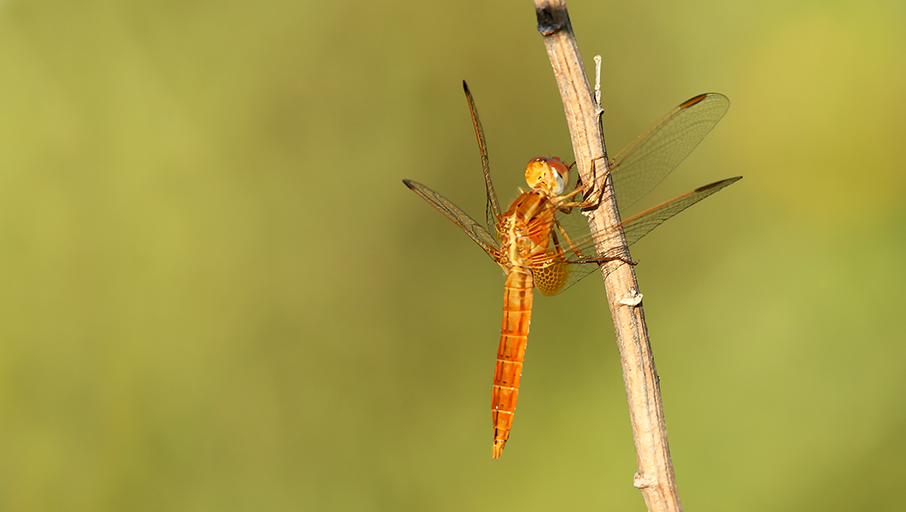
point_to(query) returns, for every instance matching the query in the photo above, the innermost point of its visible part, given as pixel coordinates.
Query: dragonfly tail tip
(497, 449)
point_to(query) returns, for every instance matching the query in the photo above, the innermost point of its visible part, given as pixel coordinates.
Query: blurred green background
(217, 294)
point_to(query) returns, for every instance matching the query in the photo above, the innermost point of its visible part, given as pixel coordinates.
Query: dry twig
(655, 476)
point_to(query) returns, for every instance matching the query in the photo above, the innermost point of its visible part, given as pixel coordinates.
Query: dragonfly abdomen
(517, 314)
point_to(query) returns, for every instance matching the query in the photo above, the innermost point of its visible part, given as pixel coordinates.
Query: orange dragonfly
(538, 243)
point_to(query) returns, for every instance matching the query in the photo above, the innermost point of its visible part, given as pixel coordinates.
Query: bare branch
(655, 476)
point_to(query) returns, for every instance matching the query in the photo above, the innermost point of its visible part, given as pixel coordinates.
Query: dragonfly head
(548, 175)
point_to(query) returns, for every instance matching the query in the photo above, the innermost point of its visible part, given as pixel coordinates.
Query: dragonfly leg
(604, 259)
(578, 252)
(567, 206)
(566, 237)
(555, 239)
(560, 254)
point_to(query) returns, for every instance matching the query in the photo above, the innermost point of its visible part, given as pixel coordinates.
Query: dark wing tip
(719, 184)
(692, 101)
(408, 183)
(695, 100)
(465, 87)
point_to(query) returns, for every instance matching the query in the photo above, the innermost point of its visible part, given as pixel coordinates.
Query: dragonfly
(543, 241)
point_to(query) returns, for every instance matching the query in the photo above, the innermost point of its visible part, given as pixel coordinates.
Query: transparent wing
(492, 212)
(574, 254)
(637, 226)
(650, 158)
(475, 230)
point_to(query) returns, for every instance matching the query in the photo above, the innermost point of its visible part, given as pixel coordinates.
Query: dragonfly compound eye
(547, 174)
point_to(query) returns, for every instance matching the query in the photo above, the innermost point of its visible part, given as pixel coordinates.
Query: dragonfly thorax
(547, 175)
(525, 230)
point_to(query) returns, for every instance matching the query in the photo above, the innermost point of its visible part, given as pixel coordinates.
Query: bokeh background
(218, 295)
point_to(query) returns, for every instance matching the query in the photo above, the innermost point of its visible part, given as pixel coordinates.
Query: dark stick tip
(551, 19)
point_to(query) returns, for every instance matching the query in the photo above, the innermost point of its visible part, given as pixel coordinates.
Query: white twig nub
(598, 81)
(639, 481)
(633, 301)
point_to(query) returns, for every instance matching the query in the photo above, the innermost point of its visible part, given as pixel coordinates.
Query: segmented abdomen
(517, 314)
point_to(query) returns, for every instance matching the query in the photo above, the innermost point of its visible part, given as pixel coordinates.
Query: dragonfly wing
(559, 276)
(637, 226)
(475, 230)
(492, 212)
(572, 254)
(651, 157)
(579, 251)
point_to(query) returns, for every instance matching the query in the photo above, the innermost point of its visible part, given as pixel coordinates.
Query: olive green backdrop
(217, 295)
